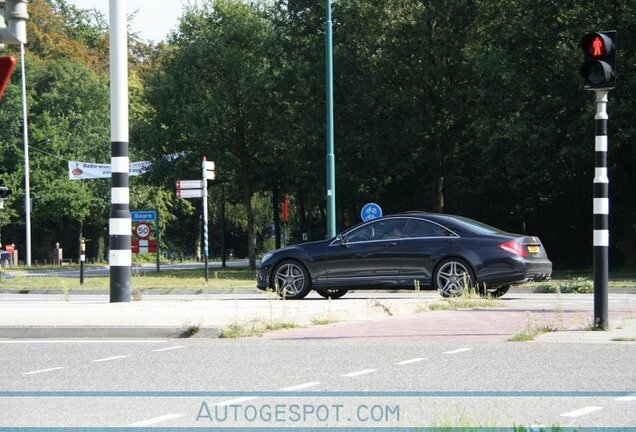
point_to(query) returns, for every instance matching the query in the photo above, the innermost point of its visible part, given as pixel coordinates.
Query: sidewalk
(53, 316)
(396, 314)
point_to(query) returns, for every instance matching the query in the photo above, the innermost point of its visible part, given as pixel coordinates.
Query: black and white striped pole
(601, 214)
(120, 256)
(599, 74)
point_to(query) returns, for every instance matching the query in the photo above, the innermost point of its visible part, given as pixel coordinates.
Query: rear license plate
(533, 249)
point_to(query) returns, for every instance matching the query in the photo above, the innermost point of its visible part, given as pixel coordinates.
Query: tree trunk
(438, 192)
(275, 206)
(251, 237)
(629, 231)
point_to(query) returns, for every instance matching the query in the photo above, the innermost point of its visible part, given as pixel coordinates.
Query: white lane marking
(627, 398)
(110, 358)
(169, 348)
(235, 401)
(582, 411)
(458, 351)
(155, 420)
(302, 386)
(83, 341)
(414, 360)
(43, 370)
(360, 372)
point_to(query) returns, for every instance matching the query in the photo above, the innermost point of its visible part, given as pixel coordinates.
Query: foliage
(471, 107)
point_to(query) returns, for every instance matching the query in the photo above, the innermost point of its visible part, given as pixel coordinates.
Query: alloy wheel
(289, 279)
(452, 277)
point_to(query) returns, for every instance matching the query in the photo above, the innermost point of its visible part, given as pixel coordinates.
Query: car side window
(419, 228)
(381, 230)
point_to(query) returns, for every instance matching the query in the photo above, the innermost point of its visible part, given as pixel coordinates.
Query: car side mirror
(342, 240)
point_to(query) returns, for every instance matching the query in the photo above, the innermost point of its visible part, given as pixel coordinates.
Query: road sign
(143, 246)
(189, 193)
(189, 184)
(208, 170)
(143, 215)
(143, 230)
(370, 211)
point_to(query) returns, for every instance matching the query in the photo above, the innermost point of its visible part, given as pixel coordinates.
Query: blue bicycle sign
(370, 211)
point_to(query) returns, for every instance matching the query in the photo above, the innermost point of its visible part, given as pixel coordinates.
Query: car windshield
(474, 226)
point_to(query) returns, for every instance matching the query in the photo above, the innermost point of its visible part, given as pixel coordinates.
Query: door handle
(392, 244)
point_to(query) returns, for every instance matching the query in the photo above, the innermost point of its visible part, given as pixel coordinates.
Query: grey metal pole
(331, 164)
(158, 239)
(205, 218)
(27, 183)
(120, 226)
(82, 259)
(601, 214)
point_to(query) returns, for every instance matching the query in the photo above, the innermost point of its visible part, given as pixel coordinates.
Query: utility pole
(599, 74)
(331, 168)
(120, 225)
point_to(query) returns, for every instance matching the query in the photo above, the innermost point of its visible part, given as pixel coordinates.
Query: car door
(422, 242)
(371, 253)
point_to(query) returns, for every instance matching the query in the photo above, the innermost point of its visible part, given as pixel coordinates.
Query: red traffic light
(7, 64)
(285, 209)
(597, 45)
(599, 61)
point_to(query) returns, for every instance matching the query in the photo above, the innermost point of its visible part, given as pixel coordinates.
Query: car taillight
(514, 248)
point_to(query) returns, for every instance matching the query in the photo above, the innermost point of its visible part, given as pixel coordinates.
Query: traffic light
(285, 209)
(599, 60)
(7, 64)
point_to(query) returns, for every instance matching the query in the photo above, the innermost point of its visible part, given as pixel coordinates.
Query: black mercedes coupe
(407, 251)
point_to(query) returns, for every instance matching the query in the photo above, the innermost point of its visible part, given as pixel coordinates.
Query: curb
(123, 332)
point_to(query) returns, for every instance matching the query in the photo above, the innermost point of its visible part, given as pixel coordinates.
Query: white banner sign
(86, 171)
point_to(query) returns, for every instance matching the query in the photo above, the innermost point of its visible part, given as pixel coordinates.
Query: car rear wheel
(291, 280)
(452, 277)
(333, 293)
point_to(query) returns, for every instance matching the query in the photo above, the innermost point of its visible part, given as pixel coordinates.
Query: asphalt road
(316, 382)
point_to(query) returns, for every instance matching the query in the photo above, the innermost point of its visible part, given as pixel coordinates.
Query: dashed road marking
(582, 411)
(169, 348)
(235, 401)
(109, 359)
(413, 360)
(627, 398)
(43, 370)
(302, 386)
(360, 372)
(460, 350)
(155, 420)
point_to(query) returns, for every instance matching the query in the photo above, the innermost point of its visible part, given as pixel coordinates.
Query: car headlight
(266, 257)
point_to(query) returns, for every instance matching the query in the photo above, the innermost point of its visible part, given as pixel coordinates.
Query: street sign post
(190, 184)
(370, 211)
(143, 216)
(199, 189)
(143, 229)
(190, 193)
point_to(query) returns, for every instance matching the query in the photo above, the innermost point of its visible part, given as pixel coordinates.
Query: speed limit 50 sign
(143, 230)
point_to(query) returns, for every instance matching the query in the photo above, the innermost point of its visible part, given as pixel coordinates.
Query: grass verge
(253, 328)
(166, 280)
(468, 300)
(531, 330)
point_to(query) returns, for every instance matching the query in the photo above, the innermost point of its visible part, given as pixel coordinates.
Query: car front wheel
(291, 280)
(452, 277)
